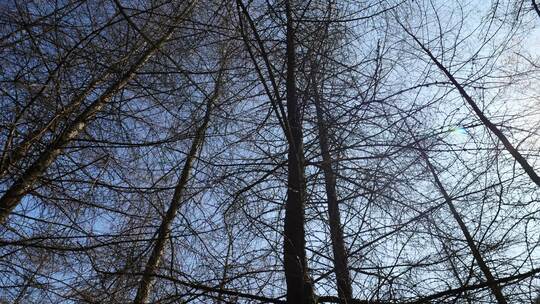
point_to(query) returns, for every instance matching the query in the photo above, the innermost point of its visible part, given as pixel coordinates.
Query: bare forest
(261, 151)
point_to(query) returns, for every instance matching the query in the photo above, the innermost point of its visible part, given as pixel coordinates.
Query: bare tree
(269, 151)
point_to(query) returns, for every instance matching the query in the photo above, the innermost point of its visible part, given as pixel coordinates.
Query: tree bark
(24, 183)
(483, 118)
(535, 6)
(20, 151)
(299, 289)
(491, 281)
(164, 230)
(343, 277)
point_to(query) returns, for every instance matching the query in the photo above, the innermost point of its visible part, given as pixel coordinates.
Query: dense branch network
(321, 151)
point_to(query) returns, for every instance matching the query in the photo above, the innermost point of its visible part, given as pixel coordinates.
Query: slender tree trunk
(480, 114)
(299, 289)
(491, 281)
(21, 150)
(536, 8)
(321, 50)
(164, 230)
(343, 277)
(24, 183)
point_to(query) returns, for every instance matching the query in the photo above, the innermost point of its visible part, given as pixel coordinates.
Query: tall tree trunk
(322, 50)
(343, 277)
(495, 288)
(299, 289)
(480, 114)
(21, 150)
(536, 8)
(164, 230)
(491, 281)
(24, 183)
